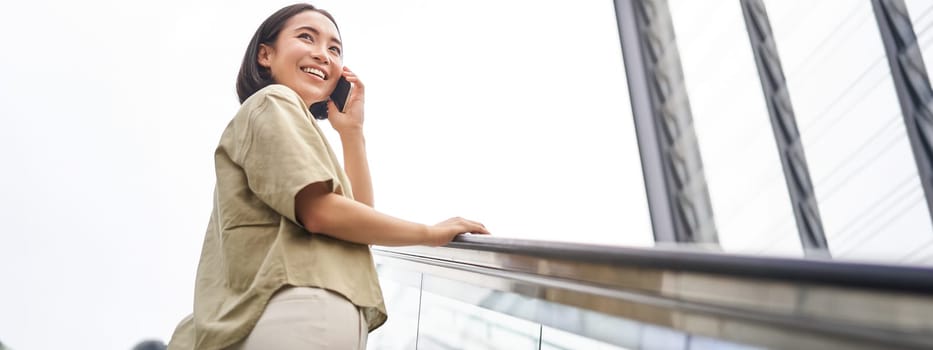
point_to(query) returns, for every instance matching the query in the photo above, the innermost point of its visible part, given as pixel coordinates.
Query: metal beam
(912, 84)
(784, 125)
(678, 198)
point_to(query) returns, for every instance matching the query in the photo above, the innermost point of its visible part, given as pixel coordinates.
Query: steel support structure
(912, 84)
(678, 198)
(784, 125)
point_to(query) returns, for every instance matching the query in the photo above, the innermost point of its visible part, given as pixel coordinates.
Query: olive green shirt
(254, 244)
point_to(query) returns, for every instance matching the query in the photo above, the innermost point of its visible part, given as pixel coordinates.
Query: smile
(319, 73)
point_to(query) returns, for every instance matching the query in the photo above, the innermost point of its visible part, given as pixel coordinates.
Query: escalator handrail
(902, 278)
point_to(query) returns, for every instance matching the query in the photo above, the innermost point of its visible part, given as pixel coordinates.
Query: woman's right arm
(323, 211)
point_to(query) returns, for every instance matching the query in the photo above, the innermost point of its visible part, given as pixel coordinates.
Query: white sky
(113, 110)
(860, 161)
(513, 113)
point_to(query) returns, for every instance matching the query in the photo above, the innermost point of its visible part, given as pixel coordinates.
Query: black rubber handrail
(906, 278)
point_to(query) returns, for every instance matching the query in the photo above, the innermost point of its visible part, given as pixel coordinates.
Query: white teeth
(314, 71)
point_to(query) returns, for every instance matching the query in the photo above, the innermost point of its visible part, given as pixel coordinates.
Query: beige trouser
(307, 319)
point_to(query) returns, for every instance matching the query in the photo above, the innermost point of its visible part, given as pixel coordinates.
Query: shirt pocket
(245, 249)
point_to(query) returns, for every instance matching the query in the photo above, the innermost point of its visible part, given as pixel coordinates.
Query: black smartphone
(341, 93)
(340, 96)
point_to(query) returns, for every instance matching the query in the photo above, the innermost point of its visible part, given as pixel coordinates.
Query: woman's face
(306, 56)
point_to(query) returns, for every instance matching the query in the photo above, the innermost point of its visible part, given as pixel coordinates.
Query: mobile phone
(341, 93)
(340, 96)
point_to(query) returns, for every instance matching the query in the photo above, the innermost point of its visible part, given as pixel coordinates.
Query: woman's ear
(265, 55)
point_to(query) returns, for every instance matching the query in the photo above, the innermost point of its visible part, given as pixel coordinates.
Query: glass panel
(452, 324)
(664, 338)
(456, 314)
(555, 339)
(568, 325)
(860, 159)
(741, 162)
(401, 291)
(704, 343)
(648, 337)
(523, 117)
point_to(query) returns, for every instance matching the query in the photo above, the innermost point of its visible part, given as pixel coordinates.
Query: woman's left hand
(351, 119)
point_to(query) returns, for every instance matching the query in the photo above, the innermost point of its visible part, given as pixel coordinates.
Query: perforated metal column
(784, 124)
(912, 84)
(678, 197)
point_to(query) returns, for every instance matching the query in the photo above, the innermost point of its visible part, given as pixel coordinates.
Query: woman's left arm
(357, 166)
(349, 124)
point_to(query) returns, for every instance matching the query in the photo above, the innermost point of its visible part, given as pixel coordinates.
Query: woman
(285, 262)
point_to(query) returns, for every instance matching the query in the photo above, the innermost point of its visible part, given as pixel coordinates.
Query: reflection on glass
(569, 325)
(555, 339)
(704, 343)
(742, 166)
(452, 324)
(459, 315)
(584, 323)
(649, 337)
(401, 291)
(860, 158)
(664, 338)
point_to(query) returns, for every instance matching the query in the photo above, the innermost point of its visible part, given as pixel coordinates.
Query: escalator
(494, 293)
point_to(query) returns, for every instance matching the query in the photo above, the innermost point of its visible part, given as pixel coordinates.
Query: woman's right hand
(443, 232)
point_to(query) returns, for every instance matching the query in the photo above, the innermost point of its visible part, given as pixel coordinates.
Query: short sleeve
(282, 152)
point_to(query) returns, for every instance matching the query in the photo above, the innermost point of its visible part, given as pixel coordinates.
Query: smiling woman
(285, 261)
(288, 59)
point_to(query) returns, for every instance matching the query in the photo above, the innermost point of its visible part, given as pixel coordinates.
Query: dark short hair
(253, 77)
